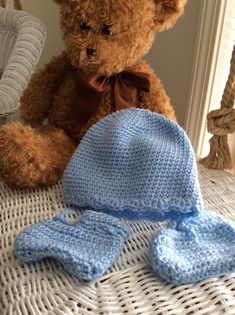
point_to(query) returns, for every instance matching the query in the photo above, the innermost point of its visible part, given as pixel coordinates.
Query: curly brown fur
(120, 32)
(38, 97)
(132, 26)
(31, 159)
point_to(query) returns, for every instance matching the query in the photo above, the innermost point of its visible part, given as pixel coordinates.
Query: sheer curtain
(227, 42)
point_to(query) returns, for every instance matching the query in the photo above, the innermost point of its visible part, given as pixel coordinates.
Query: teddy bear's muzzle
(90, 52)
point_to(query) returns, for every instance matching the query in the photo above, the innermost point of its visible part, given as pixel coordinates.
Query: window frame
(212, 19)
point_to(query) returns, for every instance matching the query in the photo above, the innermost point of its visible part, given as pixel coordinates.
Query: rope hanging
(11, 4)
(220, 123)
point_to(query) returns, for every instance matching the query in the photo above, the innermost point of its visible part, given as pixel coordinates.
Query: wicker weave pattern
(22, 37)
(130, 287)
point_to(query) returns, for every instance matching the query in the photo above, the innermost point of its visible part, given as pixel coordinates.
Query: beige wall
(171, 56)
(48, 12)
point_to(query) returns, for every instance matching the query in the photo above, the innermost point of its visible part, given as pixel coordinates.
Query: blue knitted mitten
(86, 248)
(194, 249)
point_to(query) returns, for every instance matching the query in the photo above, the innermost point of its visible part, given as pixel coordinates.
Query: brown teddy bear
(99, 72)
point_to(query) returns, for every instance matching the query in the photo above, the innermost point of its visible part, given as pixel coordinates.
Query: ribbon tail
(90, 89)
(122, 95)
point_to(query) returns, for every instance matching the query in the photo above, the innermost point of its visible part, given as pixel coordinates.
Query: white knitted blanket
(130, 287)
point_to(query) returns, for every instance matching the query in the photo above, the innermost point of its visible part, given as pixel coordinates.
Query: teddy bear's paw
(18, 155)
(30, 158)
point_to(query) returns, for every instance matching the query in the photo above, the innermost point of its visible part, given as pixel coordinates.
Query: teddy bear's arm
(38, 96)
(156, 100)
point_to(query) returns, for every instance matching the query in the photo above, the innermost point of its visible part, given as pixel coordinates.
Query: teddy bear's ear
(167, 12)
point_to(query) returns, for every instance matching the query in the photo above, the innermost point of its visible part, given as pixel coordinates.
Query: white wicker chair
(130, 287)
(22, 38)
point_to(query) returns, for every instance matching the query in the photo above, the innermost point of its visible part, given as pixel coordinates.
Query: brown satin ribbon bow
(92, 87)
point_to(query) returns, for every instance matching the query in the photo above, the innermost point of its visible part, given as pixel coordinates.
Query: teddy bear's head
(107, 36)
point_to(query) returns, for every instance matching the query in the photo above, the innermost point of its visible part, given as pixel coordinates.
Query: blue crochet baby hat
(134, 164)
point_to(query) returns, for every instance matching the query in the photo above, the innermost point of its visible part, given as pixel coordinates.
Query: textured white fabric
(22, 38)
(130, 287)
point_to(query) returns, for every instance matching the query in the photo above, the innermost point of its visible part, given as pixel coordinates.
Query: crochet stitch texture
(194, 249)
(134, 164)
(85, 248)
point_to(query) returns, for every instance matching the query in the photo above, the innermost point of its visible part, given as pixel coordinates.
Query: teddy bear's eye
(84, 26)
(106, 30)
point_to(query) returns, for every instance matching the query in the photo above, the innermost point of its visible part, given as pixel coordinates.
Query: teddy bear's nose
(90, 52)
